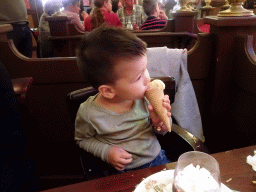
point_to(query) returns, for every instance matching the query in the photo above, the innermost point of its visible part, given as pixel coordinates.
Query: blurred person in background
(157, 18)
(14, 12)
(44, 45)
(101, 13)
(131, 13)
(72, 8)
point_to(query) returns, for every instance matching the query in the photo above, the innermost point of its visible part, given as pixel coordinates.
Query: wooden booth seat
(243, 101)
(65, 35)
(66, 45)
(45, 117)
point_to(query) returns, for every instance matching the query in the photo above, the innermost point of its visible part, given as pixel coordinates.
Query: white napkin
(251, 160)
(163, 61)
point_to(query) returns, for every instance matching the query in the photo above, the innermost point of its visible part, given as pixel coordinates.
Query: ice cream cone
(155, 95)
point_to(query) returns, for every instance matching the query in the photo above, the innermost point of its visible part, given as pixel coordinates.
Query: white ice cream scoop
(252, 160)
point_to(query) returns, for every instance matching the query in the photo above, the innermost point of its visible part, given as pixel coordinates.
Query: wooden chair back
(59, 25)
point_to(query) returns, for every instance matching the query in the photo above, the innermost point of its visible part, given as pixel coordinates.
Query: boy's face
(133, 78)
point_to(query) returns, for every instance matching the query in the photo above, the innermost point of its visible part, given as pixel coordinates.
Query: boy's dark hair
(101, 49)
(149, 6)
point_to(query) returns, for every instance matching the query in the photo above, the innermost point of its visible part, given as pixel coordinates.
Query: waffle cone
(155, 96)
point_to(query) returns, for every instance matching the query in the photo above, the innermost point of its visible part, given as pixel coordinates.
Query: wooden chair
(59, 25)
(174, 143)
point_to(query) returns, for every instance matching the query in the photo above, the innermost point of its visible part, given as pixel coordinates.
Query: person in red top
(101, 14)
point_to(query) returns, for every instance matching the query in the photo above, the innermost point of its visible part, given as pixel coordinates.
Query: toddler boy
(118, 124)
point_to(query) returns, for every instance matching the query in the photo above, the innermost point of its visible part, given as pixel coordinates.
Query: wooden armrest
(195, 143)
(21, 85)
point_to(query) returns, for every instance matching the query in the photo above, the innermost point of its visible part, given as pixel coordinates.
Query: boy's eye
(139, 78)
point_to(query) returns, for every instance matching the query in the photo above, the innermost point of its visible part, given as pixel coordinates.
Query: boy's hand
(157, 123)
(119, 158)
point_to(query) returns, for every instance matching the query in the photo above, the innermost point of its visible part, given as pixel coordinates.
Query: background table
(235, 173)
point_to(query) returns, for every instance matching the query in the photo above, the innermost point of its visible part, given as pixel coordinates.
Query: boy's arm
(85, 137)
(96, 147)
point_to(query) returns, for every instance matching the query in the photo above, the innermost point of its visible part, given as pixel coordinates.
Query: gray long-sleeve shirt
(98, 129)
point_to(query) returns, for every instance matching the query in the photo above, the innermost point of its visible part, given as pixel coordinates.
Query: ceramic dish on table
(162, 181)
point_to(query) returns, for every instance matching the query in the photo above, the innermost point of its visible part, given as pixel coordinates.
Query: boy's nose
(147, 79)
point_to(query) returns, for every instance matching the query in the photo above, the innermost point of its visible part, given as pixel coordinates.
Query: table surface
(235, 173)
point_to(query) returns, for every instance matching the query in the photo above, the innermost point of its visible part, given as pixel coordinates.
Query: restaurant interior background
(35, 10)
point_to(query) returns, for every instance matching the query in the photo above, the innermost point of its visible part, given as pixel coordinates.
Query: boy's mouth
(148, 87)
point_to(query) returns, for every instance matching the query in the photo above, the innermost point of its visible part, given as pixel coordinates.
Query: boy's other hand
(119, 158)
(157, 123)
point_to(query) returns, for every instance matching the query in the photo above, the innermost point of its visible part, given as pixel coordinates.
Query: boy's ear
(107, 91)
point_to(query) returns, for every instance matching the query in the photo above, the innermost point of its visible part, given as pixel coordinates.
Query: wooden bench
(180, 40)
(65, 35)
(65, 46)
(45, 116)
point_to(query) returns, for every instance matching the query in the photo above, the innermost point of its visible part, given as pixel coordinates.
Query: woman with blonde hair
(101, 13)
